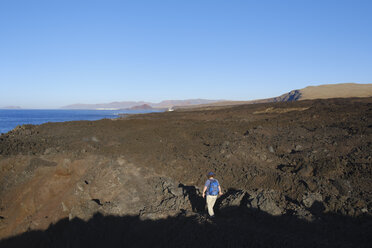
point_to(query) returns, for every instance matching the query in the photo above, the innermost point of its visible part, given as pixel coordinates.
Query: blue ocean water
(10, 118)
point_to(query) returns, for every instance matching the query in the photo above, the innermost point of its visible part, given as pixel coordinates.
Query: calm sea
(10, 118)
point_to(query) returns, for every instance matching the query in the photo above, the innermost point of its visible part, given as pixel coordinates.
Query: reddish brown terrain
(140, 107)
(294, 174)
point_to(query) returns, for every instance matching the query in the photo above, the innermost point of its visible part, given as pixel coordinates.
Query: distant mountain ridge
(343, 90)
(131, 104)
(116, 105)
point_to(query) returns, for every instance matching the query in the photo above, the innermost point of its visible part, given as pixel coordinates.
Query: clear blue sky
(54, 53)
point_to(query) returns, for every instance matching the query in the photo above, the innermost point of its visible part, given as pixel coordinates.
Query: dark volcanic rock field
(294, 174)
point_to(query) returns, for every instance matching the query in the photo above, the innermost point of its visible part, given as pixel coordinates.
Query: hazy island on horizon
(11, 107)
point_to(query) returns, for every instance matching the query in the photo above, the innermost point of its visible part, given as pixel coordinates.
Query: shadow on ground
(233, 227)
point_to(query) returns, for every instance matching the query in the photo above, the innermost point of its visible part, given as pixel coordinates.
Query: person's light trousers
(211, 200)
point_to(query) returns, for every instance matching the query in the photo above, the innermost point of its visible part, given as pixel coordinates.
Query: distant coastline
(11, 118)
(11, 107)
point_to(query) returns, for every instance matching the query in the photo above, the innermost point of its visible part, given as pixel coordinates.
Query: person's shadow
(239, 227)
(195, 198)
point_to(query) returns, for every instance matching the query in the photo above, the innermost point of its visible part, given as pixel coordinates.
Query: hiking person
(212, 189)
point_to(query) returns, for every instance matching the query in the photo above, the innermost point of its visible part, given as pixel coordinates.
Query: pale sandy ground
(336, 91)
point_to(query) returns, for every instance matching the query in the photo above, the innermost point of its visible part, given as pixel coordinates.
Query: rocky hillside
(294, 174)
(328, 91)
